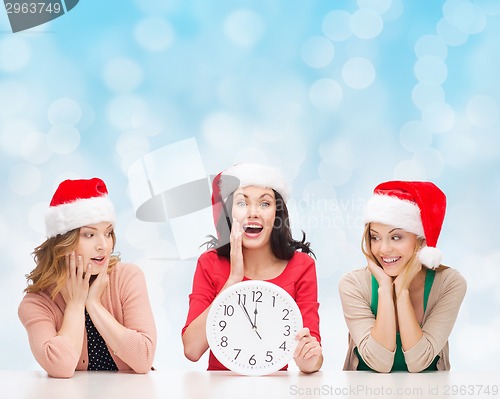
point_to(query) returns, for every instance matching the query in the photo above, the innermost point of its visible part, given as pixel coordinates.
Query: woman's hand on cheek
(76, 286)
(236, 256)
(378, 272)
(99, 285)
(403, 281)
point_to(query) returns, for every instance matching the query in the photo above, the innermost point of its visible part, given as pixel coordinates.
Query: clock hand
(254, 327)
(247, 315)
(255, 321)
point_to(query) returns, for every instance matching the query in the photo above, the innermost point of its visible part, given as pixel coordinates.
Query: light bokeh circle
(154, 34)
(358, 73)
(15, 53)
(366, 24)
(63, 138)
(122, 75)
(326, 94)
(244, 27)
(438, 117)
(35, 148)
(24, 179)
(317, 52)
(64, 111)
(414, 136)
(483, 111)
(337, 25)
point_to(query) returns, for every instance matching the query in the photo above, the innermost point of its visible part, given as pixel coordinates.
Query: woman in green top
(399, 310)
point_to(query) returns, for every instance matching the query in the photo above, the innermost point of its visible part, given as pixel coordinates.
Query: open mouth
(252, 228)
(98, 259)
(391, 260)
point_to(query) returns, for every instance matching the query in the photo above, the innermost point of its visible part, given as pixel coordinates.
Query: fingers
(79, 266)
(236, 233)
(76, 268)
(236, 236)
(403, 280)
(97, 288)
(88, 273)
(236, 255)
(308, 346)
(77, 280)
(71, 264)
(303, 332)
(379, 273)
(414, 265)
(103, 272)
(373, 267)
(371, 264)
(375, 270)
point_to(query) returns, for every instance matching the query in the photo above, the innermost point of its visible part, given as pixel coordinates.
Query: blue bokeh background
(339, 95)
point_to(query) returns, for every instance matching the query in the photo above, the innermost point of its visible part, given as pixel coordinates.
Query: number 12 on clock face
(251, 327)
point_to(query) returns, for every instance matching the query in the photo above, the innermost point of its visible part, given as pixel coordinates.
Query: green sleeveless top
(399, 358)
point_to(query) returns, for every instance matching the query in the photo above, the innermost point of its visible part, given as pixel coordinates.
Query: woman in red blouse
(254, 242)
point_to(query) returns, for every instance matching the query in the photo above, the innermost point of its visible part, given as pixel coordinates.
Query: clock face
(251, 327)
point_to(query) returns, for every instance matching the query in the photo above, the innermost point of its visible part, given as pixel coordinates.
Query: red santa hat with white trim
(78, 203)
(414, 206)
(243, 175)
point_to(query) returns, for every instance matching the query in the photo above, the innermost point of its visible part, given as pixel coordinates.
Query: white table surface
(221, 385)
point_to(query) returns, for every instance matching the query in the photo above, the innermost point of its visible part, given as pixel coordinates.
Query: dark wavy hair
(283, 245)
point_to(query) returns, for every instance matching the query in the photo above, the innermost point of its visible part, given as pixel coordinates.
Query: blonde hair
(367, 251)
(50, 259)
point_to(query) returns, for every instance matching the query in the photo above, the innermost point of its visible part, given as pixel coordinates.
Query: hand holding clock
(308, 354)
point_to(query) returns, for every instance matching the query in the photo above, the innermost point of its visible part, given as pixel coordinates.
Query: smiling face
(392, 247)
(95, 244)
(255, 209)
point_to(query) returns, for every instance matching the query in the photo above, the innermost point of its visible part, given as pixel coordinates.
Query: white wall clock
(251, 327)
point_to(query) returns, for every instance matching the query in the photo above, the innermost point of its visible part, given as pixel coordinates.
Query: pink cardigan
(125, 298)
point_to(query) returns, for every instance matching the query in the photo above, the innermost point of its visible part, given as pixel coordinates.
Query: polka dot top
(99, 356)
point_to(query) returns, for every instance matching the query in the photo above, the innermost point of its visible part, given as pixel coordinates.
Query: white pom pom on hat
(430, 257)
(77, 203)
(415, 206)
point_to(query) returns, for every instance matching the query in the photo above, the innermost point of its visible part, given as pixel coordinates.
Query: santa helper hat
(243, 175)
(78, 203)
(414, 206)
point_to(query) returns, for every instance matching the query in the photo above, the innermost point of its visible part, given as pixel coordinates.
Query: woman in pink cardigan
(84, 309)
